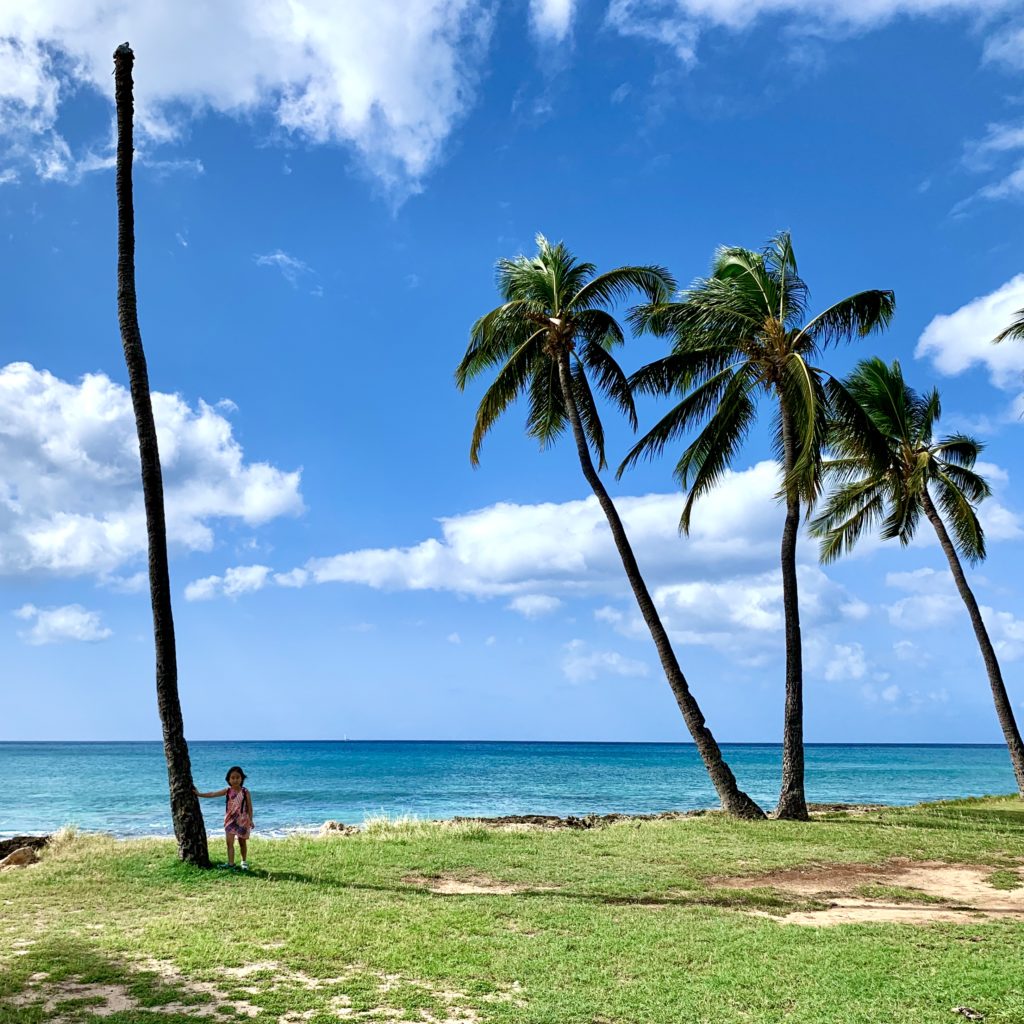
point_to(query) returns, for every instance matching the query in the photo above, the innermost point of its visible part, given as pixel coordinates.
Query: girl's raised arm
(219, 792)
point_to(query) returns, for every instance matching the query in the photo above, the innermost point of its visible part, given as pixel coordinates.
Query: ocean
(122, 787)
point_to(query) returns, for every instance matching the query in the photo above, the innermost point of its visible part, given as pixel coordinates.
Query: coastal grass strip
(616, 925)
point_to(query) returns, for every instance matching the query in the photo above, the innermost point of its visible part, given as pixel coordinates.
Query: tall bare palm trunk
(792, 800)
(189, 828)
(734, 801)
(1004, 710)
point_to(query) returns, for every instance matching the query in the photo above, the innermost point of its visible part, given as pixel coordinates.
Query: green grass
(617, 925)
(897, 894)
(1005, 879)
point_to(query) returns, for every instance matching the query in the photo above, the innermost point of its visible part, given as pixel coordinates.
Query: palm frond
(546, 418)
(493, 339)
(850, 512)
(656, 284)
(610, 379)
(708, 457)
(692, 409)
(1015, 332)
(855, 316)
(598, 327)
(681, 371)
(804, 400)
(905, 507)
(959, 449)
(792, 289)
(973, 486)
(589, 417)
(852, 431)
(960, 515)
(504, 390)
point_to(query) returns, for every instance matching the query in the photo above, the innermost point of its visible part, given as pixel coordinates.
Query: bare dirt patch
(470, 885)
(923, 892)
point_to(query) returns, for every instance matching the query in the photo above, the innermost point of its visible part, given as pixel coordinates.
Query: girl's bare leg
(231, 848)
(242, 843)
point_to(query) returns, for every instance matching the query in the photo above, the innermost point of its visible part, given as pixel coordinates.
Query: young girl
(238, 821)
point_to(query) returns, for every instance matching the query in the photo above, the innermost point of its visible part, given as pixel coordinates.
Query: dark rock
(8, 846)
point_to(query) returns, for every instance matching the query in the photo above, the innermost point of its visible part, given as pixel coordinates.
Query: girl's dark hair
(234, 768)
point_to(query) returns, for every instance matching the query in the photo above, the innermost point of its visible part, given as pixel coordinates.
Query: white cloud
(57, 625)
(533, 606)
(907, 650)
(70, 490)
(855, 609)
(1007, 48)
(921, 581)
(678, 24)
(454, 638)
(552, 19)
(512, 550)
(242, 579)
(294, 578)
(957, 341)
(390, 79)
(847, 662)
(291, 268)
(1006, 632)
(934, 601)
(580, 663)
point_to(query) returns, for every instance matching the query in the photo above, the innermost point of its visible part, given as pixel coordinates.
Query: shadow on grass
(737, 899)
(74, 981)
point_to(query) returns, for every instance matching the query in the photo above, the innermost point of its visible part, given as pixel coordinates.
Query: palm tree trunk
(734, 801)
(189, 828)
(1004, 710)
(792, 800)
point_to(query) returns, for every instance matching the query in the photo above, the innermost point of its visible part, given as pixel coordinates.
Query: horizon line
(611, 743)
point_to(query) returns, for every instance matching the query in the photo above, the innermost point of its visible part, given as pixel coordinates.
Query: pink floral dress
(236, 814)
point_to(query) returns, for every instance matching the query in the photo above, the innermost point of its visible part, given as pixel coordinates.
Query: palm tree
(550, 338)
(739, 334)
(1014, 331)
(189, 828)
(887, 464)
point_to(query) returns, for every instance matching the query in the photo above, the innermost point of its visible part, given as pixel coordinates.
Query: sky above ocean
(322, 190)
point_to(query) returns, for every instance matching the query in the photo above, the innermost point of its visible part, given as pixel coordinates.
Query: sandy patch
(471, 885)
(955, 893)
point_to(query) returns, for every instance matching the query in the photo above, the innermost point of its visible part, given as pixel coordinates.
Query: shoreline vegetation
(514, 822)
(911, 914)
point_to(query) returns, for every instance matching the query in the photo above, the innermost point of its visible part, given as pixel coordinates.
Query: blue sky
(322, 190)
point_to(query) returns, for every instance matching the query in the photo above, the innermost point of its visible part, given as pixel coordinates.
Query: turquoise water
(122, 787)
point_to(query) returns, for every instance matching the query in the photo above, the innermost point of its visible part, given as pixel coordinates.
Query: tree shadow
(71, 979)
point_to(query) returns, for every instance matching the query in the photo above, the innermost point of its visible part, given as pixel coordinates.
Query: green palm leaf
(1015, 331)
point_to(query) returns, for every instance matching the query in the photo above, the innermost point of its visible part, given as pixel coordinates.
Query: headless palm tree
(550, 338)
(887, 464)
(739, 334)
(189, 828)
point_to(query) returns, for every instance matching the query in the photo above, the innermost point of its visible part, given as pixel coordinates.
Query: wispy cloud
(243, 579)
(581, 663)
(291, 267)
(71, 622)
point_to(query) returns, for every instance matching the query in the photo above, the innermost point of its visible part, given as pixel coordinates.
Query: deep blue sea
(122, 787)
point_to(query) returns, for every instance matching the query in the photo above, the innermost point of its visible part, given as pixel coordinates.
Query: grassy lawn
(628, 923)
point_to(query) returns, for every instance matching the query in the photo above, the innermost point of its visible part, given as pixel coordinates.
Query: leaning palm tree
(189, 828)
(887, 464)
(551, 338)
(736, 335)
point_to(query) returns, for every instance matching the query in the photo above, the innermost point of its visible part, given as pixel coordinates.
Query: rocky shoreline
(511, 822)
